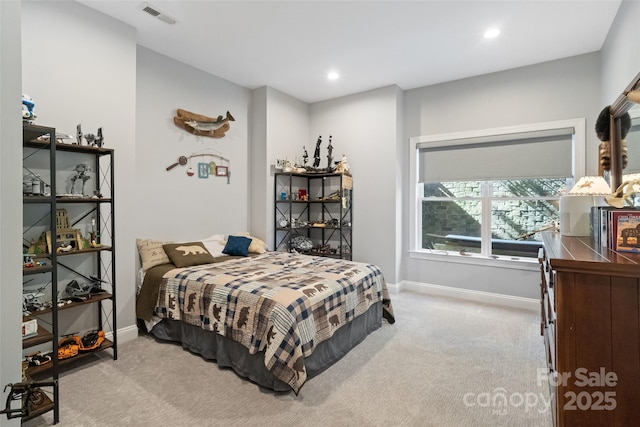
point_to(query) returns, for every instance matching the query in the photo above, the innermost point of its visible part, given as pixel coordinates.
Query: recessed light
(333, 75)
(491, 33)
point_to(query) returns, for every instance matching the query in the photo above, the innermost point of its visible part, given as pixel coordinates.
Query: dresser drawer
(550, 345)
(551, 289)
(550, 305)
(547, 293)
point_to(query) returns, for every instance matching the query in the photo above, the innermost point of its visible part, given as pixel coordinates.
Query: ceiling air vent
(157, 14)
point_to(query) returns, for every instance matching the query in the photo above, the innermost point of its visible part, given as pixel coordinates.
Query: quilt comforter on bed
(280, 303)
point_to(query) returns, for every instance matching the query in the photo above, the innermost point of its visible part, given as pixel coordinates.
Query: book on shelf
(607, 224)
(599, 226)
(624, 230)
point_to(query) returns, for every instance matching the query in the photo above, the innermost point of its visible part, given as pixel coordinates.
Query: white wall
(10, 199)
(557, 90)
(170, 204)
(364, 127)
(287, 132)
(279, 129)
(80, 67)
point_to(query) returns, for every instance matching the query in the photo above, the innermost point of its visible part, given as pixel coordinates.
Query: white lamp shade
(591, 186)
(576, 206)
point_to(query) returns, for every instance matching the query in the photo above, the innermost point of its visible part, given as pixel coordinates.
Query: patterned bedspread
(280, 303)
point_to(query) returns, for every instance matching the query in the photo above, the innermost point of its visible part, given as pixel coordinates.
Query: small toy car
(27, 260)
(68, 347)
(91, 341)
(38, 359)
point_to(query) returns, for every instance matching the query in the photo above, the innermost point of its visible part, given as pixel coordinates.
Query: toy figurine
(27, 109)
(343, 165)
(91, 138)
(81, 173)
(79, 134)
(99, 138)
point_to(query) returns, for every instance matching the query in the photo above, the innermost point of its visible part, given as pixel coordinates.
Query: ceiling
(292, 45)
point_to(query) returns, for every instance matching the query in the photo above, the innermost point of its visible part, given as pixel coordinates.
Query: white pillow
(215, 244)
(151, 253)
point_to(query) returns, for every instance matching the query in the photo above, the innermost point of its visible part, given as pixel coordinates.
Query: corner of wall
(257, 141)
(401, 180)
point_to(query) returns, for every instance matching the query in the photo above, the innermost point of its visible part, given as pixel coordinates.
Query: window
(488, 193)
(453, 213)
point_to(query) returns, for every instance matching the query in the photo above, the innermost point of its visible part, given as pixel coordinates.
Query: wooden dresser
(590, 301)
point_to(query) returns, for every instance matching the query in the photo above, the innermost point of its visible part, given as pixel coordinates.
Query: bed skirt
(231, 354)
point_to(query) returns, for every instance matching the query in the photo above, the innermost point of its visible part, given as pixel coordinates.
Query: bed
(276, 318)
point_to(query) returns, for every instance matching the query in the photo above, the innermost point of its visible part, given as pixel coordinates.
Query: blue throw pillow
(237, 245)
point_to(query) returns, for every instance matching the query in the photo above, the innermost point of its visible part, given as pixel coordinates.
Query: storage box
(29, 328)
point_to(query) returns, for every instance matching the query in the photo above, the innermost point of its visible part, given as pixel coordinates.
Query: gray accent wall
(173, 206)
(364, 128)
(557, 90)
(567, 88)
(10, 200)
(621, 52)
(82, 69)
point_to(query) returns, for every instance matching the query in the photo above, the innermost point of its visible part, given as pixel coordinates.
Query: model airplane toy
(83, 291)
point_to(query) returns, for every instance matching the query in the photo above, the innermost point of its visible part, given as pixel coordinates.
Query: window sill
(527, 264)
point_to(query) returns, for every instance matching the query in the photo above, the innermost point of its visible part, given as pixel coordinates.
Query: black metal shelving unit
(325, 216)
(30, 133)
(101, 206)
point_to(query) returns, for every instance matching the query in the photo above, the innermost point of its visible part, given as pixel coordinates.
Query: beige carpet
(444, 362)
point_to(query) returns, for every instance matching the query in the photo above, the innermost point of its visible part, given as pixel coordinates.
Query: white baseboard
(467, 294)
(393, 288)
(128, 333)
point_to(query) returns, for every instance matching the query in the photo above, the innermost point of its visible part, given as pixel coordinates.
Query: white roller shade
(537, 154)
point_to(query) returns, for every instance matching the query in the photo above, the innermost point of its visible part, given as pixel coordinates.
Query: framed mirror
(627, 102)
